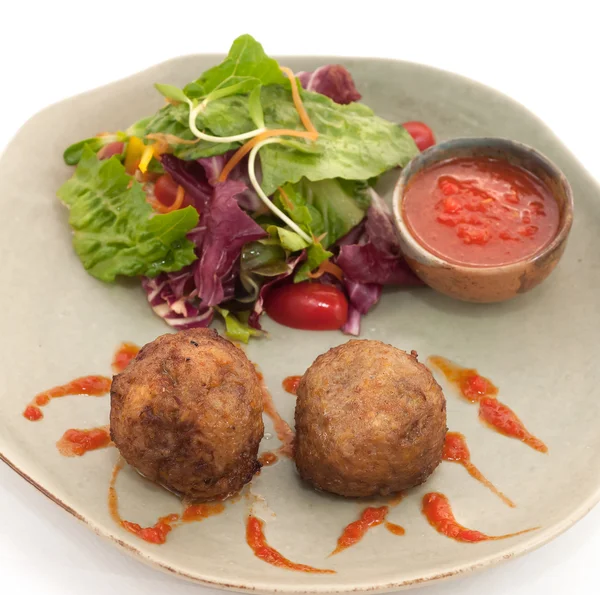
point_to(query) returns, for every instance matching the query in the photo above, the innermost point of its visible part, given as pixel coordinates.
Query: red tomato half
(165, 190)
(111, 149)
(309, 306)
(421, 133)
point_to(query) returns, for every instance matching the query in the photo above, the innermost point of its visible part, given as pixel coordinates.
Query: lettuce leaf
(356, 143)
(315, 255)
(115, 231)
(236, 328)
(245, 67)
(353, 143)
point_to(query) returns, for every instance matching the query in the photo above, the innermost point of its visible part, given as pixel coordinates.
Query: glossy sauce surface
(266, 459)
(480, 211)
(290, 384)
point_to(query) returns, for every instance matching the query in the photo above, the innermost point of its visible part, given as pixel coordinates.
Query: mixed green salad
(248, 179)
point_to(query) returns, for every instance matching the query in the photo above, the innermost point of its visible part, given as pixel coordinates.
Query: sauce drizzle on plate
(257, 541)
(355, 531)
(285, 434)
(457, 451)
(94, 386)
(478, 389)
(290, 384)
(123, 355)
(75, 443)
(437, 510)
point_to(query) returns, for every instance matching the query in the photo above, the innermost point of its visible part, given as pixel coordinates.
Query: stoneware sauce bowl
(485, 283)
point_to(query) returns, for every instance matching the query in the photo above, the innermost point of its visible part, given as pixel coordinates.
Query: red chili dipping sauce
(479, 211)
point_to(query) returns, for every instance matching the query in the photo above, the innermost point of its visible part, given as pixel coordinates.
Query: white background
(543, 56)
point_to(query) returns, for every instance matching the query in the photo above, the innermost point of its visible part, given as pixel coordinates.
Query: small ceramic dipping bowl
(485, 283)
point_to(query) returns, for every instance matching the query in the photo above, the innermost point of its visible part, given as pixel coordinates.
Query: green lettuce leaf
(353, 143)
(315, 255)
(357, 144)
(265, 259)
(288, 239)
(115, 231)
(236, 328)
(328, 209)
(245, 67)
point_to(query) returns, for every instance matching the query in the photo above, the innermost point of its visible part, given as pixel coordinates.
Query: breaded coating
(370, 420)
(187, 414)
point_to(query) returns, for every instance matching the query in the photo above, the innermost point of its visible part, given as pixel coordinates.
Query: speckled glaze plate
(541, 349)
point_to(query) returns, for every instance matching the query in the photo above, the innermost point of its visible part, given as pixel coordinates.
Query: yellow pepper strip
(146, 158)
(135, 148)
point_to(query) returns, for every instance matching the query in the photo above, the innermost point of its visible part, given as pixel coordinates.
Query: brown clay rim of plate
(536, 540)
(544, 536)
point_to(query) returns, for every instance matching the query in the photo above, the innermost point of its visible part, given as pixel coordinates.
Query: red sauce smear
(504, 420)
(354, 532)
(395, 529)
(480, 211)
(199, 512)
(75, 443)
(156, 534)
(438, 512)
(290, 384)
(478, 389)
(256, 540)
(86, 385)
(267, 459)
(124, 354)
(282, 429)
(457, 451)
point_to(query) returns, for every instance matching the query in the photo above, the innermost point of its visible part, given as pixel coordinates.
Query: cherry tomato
(421, 133)
(111, 149)
(165, 191)
(309, 306)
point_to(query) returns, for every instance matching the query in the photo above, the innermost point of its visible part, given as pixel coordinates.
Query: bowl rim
(482, 142)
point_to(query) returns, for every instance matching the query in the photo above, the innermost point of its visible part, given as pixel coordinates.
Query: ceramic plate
(541, 349)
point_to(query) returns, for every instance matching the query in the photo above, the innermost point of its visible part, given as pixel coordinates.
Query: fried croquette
(187, 414)
(370, 420)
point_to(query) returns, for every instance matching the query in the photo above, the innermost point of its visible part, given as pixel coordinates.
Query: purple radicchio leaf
(361, 298)
(376, 256)
(332, 80)
(171, 298)
(254, 318)
(192, 176)
(228, 228)
(247, 199)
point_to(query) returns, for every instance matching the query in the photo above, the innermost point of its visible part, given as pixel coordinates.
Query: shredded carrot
(245, 149)
(319, 239)
(177, 203)
(178, 199)
(286, 199)
(298, 100)
(327, 267)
